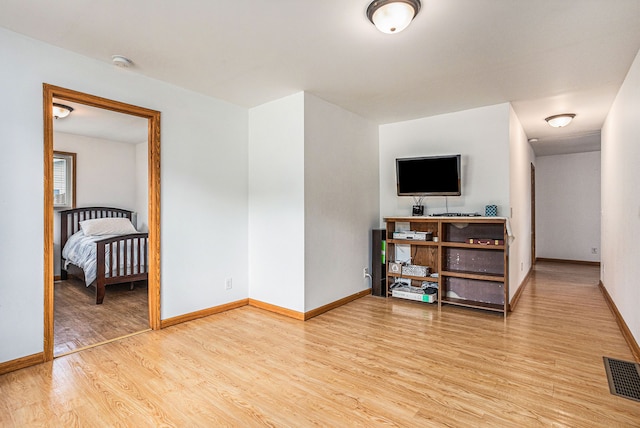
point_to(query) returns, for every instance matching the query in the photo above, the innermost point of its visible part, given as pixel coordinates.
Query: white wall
(568, 206)
(105, 170)
(276, 202)
(204, 202)
(480, 135)
(203, 198)
(341, 200)
(521, 158)
(496, 159)
(620, 269)
(313, 199)
(105, 176)
(142, 187)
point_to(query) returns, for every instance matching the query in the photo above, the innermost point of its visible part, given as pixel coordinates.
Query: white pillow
(107, 226)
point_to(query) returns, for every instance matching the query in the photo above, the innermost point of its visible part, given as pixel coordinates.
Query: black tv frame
(434, 160)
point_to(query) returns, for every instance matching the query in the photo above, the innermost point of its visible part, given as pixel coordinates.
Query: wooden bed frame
(137, 242)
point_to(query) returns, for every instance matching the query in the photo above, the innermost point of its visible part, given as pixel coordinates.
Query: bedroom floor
(79, 322)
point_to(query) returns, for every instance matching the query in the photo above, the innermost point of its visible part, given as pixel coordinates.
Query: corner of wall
(521, 158)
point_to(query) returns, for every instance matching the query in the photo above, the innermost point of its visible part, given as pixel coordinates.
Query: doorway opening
(150, 213)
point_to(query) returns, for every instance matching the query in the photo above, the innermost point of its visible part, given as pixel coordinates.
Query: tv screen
(429, 176)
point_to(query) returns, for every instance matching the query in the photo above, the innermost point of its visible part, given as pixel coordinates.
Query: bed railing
(70, 219)
(121, 259)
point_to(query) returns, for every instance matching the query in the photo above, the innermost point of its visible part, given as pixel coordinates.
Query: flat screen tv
(429, 176)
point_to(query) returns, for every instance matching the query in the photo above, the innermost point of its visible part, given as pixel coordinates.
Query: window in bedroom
(64, 180)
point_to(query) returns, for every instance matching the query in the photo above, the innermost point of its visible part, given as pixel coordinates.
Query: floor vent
(624, 378)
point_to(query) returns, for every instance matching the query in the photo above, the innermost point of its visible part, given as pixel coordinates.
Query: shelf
(473, 304)
(445, 219)
(411, 242)
(473, 275)
(417, 278)
(474, 246)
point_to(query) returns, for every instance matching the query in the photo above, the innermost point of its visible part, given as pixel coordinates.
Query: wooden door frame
(153, 117)
(533, 214)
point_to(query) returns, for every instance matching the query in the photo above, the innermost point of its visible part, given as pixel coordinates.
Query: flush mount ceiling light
(60, 110)
(392, 16)
(560, 120)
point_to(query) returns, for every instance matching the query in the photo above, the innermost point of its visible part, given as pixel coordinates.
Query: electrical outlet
(228, 283)
(594, 250)
(365, 272)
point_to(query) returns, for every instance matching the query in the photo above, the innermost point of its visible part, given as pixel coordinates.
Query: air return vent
(624, 378)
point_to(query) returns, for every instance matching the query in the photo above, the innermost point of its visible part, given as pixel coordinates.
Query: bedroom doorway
(148, 214)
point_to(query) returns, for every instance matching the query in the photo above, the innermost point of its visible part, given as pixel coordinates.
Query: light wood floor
(373, 362)
(79, 322)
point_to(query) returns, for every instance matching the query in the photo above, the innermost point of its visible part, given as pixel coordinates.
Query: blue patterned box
(491, 210)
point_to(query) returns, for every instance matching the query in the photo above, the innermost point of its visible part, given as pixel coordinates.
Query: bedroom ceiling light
(61, 111)
(560, 120)
(392, 16)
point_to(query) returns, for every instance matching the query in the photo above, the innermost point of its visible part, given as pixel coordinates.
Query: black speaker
(378, 262)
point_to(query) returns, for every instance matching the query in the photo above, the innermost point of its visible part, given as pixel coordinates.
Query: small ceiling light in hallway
(560, 120)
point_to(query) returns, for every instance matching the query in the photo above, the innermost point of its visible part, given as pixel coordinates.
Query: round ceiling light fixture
(61, 111)
(560, 120)
(121, 61)
(392, 16)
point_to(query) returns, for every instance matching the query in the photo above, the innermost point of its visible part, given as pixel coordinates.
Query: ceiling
(100, 123)
(543, 56)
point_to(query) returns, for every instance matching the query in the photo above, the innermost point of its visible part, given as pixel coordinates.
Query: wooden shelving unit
(469, 275)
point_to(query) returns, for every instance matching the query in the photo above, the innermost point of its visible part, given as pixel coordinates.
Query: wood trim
(312, 313)
(337, 303)
(154, 220)
(277, 309)
(47, 109)
(265, 306)
(624, 328)
(73, 174)
(203, 313)
(577, 262)
(21, 363)
(103, 343)
(523, 285)
(153, 118)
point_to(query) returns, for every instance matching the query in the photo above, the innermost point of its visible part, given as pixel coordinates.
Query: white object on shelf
(415, 270)
(427, 298)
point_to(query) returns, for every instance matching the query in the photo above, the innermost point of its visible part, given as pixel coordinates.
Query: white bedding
(81, 251)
